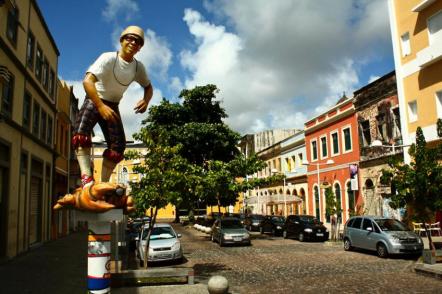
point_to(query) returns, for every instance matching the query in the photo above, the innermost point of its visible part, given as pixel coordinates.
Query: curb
(428, 270)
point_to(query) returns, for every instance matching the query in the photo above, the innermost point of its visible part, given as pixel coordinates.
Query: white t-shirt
(114, 75)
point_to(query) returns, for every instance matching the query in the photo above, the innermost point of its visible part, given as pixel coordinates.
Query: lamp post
(377, 143)
(329, 162)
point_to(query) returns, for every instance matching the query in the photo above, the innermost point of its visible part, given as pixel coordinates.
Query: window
(439, 104)
(7, 96)
(351, 198)
(38, 63)
(347, 139)
(27, 110)
(405, 43)
(43, 126)
(435, 27)
(367, 224)
(357, 223)
(30, 51)
(364, 126)
(50, 127)
(397, 123)
(12, 25)
(324, 151)
(51, 85)
(412, 111)
(288, 164)
(293, 161)
(36, 119)
(45, 73)
(300, 158)
(335, 143)
(314, 150)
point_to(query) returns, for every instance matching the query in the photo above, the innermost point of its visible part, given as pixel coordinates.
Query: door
(35, 210)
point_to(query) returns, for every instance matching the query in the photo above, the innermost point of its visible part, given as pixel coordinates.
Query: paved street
(276, 265)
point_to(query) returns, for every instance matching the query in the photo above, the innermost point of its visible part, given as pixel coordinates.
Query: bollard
(218, 285)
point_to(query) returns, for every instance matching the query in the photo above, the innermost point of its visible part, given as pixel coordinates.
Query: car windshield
(391, 225)
(278, 219)
(257, 217)
(309, 219)
(231, 224)
(159, 233)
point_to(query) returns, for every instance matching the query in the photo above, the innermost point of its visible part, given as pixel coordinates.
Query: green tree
(418, 185)
(332, 209)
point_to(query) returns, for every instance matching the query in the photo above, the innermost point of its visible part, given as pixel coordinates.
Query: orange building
(332, 149)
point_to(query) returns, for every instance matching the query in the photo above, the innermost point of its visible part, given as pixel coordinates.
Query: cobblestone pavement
(277, 265)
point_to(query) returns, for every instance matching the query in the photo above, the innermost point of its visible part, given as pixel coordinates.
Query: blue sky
(276, 63)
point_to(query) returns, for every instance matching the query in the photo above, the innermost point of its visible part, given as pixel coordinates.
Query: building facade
(28, 71)
(377, 112)
(332, 150)
(416, 28)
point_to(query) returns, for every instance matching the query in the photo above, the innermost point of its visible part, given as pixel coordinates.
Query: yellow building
(60, 218)
(123, 172)
(28, 71)
(416, 27)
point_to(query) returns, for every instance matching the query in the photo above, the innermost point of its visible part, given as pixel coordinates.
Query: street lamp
(378, 143)
(329, 162)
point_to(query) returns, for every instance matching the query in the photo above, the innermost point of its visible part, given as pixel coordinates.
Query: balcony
(431, 54)
(421, 6)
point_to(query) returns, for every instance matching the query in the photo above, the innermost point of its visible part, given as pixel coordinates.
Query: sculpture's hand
(97, 198)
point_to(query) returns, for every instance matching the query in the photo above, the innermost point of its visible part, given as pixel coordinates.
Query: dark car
(305, 227)
(252, 222)
(272, 224)
(229, 230)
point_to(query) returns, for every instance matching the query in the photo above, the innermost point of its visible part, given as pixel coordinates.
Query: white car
(164, 244)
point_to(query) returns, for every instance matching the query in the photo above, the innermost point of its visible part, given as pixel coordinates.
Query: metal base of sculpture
(99, 204)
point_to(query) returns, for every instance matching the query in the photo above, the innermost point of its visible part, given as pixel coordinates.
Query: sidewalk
(60, 266)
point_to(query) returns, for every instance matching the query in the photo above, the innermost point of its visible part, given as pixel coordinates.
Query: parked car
(252, 222)
(383, 235)
(164, 244)
(229, 230)
(305, 227)
(272, 224)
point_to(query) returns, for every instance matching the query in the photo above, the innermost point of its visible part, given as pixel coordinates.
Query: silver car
(164, 244)
(383, 235)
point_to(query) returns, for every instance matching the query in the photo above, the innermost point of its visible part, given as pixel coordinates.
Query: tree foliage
(418, 185)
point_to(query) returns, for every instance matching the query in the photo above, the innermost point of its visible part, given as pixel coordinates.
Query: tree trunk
(430, 240)
(149, 232)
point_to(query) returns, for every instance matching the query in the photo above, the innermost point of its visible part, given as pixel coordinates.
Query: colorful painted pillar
(99, 248)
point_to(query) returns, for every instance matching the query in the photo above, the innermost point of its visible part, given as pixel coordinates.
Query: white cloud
(116, 7)
(284, 62)
(372, 79)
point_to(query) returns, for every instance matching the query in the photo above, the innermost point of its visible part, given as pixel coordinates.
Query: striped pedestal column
(98, 257)
(99, 248)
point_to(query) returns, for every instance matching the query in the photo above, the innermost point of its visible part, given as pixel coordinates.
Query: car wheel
(347, 245)
(382, 250)
(261, 230)
(284, 234)
(301, 237)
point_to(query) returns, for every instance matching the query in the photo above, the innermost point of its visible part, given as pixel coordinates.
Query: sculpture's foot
(99, 197)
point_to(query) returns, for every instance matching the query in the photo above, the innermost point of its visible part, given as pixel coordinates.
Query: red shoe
(86, 181)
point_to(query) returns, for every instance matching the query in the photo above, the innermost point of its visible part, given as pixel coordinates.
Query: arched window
(316, 192)
(304, 203)
(338, 200)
